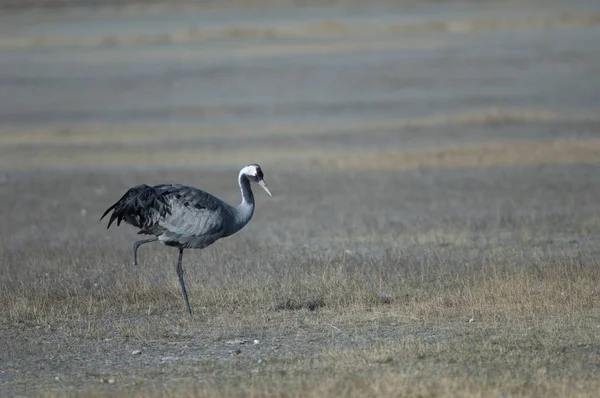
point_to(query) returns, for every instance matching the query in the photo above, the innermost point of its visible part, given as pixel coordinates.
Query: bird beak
(264, 186)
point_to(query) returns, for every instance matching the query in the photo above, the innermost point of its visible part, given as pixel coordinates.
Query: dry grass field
(445, 251)
(427, 282)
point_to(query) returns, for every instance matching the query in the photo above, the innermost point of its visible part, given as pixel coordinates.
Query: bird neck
(244, 212)
(247, 195)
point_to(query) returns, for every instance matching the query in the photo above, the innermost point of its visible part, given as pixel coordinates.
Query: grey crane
(185, 217)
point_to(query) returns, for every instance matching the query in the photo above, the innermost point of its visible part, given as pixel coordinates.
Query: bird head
(254, 174)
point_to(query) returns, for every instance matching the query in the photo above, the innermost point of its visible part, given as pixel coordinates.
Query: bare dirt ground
(434, 229)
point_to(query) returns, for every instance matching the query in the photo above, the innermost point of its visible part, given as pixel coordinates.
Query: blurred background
(138, 84)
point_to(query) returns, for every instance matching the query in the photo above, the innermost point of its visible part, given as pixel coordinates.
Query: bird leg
(138, 244)
(180, 275)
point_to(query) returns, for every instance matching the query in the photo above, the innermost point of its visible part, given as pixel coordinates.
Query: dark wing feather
(141, 206)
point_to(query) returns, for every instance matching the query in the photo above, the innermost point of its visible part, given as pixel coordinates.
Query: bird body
(178, 215)
(185, 217)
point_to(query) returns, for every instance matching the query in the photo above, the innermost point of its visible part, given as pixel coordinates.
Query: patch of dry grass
(24, 149)
(513, 322)
(482, 155)
(86, 135)
(311, 29)
(493, 154)
(496, 287)
(532, 332)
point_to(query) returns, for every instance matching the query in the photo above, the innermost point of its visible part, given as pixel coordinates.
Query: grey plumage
(185, 217)
(180, 216)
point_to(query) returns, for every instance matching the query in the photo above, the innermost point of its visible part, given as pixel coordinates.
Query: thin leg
(138, 244)
(180, 275)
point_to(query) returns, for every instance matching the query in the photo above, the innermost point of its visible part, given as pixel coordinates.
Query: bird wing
(196, 219)
(141, 206)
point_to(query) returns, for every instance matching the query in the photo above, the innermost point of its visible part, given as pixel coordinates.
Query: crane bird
(185, 217)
